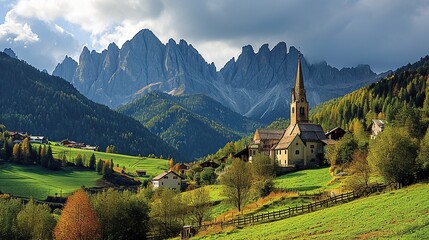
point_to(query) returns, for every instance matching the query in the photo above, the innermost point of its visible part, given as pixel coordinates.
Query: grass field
(311, 180)
(219, 206)
(153, 166)
(402, 214)
(39, 182)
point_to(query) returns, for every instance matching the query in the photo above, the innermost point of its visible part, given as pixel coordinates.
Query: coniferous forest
(399, 98)
(35, 102)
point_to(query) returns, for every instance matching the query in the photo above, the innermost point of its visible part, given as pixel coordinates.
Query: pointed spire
(299, 82)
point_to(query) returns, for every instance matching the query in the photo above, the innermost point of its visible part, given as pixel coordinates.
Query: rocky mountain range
(256, 84)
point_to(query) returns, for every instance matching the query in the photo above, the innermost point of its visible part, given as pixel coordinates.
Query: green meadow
(39, 182)
(153, 166)
(401, 214)
(310, 181)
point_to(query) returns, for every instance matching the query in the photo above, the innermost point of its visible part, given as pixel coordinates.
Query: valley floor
(401, 214)
(39, 182)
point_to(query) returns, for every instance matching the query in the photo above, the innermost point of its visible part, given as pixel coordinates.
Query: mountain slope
(35, 102)
(366, 218)
(392, 98)
(194, 124)
(257, 85)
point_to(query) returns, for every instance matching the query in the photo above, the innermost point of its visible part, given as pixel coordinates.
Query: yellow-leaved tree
(78, 220)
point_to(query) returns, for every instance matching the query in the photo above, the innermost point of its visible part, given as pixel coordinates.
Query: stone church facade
(301, 145)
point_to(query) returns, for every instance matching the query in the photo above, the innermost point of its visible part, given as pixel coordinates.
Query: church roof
(268, 133)
(311, 132)
(308, 132)
(286, 141)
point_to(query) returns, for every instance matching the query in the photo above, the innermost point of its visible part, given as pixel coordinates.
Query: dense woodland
(393, 99)
(40, 104)
(187, 122)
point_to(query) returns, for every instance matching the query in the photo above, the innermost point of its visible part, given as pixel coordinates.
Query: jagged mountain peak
(257, 85)
(10, 53)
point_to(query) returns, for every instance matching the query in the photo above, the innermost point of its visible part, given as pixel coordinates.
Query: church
(301, 145)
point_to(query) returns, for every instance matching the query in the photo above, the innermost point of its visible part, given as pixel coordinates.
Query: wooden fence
(285, 213)
(305, 208)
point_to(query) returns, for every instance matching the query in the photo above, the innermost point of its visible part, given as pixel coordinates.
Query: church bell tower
(299, 104)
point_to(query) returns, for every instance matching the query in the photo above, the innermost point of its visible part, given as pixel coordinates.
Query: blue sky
(385, 34)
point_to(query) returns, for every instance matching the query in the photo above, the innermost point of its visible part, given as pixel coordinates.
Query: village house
(263, 140)
(301, 145)
(73, 144)
(170, 180)
(335, 133)
(38, 139)
(17, 137)
(182, 168)
(209, 163)
(141, 173)
(376, 127)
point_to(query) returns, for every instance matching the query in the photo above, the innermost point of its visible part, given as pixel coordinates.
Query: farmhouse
(182, 168)
(38, 139)
(302, 144)
(169, 180)
(209, 163)
(17, 137)
(376, 127)
(141, 173)
(335, 133)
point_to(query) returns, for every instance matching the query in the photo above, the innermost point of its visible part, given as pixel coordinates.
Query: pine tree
(100, 164)
(50, 159)
(92, 162)
(78, 160)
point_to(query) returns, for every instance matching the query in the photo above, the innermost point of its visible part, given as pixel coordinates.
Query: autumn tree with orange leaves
(78, 220)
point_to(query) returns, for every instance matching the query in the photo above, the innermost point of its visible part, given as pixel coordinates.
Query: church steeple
(299, 104)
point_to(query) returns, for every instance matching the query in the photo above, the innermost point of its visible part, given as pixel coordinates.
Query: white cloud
(14, 30)
(385, 34)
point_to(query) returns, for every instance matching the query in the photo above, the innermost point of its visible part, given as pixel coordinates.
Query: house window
(285, 152)
(174, 177)
(162, 183)
(312, 150)
(297, 152)
(166, 177)
(293, 110)
(178, 184)
(313, 160)
(311, 146)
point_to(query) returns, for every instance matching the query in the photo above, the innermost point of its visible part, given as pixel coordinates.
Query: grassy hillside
(187, 122)
(311, 180)
(39, 182)
(153, 166)
(402, 214)
(40, 104)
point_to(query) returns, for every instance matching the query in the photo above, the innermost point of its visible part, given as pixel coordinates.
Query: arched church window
(293, 110)
(301, 110)
(302, 99)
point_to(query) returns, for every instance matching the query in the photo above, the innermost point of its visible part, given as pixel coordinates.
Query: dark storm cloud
(384, 34)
